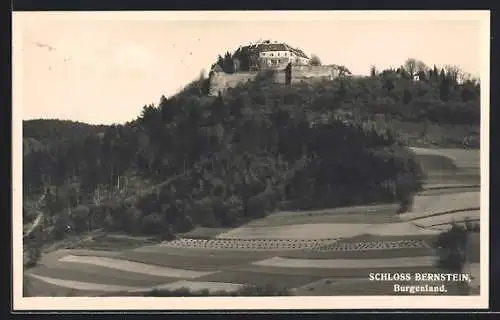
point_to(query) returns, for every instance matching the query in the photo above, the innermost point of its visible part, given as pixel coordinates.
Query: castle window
(271, 54)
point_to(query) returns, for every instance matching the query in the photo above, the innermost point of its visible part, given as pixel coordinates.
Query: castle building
(275, 55)
(290, 65)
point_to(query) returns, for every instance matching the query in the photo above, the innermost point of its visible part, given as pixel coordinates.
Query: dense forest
(197, 160)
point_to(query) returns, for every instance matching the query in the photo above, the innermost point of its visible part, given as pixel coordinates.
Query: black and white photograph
(328, 159)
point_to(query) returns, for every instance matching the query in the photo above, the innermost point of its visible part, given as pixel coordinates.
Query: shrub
(266, 290)
(33, 256)
(451, 246)
(183, 224)
(246, 291)
(153, 223)
(261, 204)
(79, 219)
(131, 220)
(471, 226)
(231, 211)
(27, 286)
(60, 227)
(202, 212)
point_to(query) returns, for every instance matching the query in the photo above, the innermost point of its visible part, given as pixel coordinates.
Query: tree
(407, 96)
(389, 85)
(452, 72)
(315, 60)
(433, 74)
(410, 66)
(343, 71)
(341, 93)
(228, 64)
(373, 71)
(421, 67)
(444, 87)
(463, 77)
(220, 61)
(422, 76)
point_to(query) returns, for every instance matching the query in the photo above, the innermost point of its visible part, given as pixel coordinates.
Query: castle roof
(267, 46)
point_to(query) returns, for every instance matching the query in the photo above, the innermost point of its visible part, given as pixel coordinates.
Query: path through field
(323, 252)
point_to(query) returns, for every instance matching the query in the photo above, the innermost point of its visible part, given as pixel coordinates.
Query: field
(323, 252)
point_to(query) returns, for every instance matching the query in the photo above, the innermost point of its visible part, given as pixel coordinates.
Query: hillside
(195, 160)
(43, 141)
(48, 131)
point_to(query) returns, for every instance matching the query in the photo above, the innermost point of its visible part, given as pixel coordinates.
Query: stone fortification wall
(220, 81)
(311, 73)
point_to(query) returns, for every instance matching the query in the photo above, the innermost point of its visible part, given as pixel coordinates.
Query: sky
(103, 67)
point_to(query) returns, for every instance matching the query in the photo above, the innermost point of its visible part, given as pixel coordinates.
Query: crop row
(322, 245)
(374, 245)
(265, 244)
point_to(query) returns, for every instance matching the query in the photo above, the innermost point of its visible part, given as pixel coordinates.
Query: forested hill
(52, 131)
(217, 161)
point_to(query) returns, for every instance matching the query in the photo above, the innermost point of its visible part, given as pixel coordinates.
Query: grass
(136, 267)
(461, 157)
(298, 231)
(448, 218)
(434, 162)
(201, 253)
(436, 191)
(358, 214)
(364, 218)
(99, 241)
(262, 278)
(100, 275)
(203, 233)
(403, 262)
(200, 262)
(105, 242)
(427, 205)
(362, 254)
(369, 237)
(39, 288)
(455, 178)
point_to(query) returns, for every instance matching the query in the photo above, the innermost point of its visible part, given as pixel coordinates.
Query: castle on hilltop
(290, 65)
(274, 55)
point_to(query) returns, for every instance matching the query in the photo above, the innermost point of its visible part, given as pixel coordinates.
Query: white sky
(105, 66)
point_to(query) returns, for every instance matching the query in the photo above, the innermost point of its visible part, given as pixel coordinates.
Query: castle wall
(311, 73)
(220, 81)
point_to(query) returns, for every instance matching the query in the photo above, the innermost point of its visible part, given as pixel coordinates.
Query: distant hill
(50, 131)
